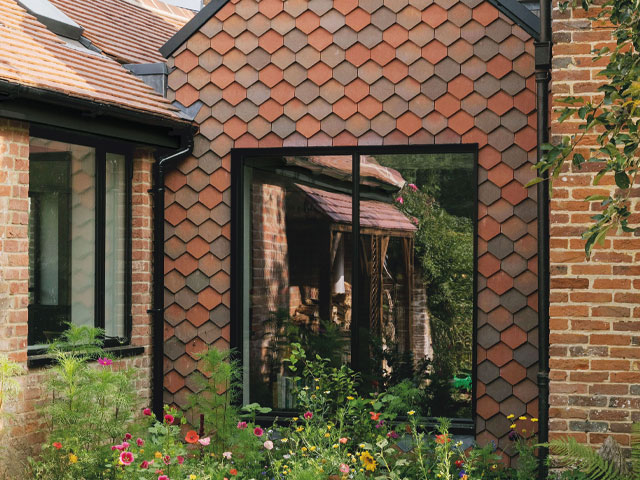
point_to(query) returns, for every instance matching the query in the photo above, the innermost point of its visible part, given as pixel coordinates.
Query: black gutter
(162, 164)
(89, 107)
(543, 79)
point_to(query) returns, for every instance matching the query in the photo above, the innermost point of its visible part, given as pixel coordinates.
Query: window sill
(37, 361)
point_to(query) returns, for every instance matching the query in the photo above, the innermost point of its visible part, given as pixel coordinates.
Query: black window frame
(239, 157)
(102, 147)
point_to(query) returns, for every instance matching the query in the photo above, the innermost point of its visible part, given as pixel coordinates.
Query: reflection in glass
(115, 246)
(417, 283)
(300, 270)
(61, 237)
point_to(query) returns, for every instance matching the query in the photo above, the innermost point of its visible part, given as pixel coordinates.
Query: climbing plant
(612, 118)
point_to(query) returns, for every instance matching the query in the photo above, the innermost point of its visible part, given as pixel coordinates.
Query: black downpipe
(160, 167)
(543, 80)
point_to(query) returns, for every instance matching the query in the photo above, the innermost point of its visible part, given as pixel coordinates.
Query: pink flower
(105, 362)
(169, 418)
(268, 445)
(166, 459)
(258, 432)
(204, 441)
(413, 187)
(344, 468)
(227, 455)
(400, 200)
(127, 436)
(140, 442)
(126, 458)
(125, 445)
(145, 465)
(343, 440)
(118, 447)
(163, 477)
(392, 434)
(180, 459)
(147, 412)
(242, 425)
(308, 415)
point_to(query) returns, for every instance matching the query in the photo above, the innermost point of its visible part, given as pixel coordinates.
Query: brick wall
(381, 72)
(595, 331)
(25, 428)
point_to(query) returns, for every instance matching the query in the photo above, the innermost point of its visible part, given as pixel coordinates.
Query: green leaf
(622, 180)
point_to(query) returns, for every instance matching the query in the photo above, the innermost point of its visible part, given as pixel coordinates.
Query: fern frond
(570, 453)
(635, 449)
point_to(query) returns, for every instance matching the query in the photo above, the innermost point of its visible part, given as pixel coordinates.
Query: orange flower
(442, 439)
(233, 471)
(58, 445)
(192, 437)
(374, 416)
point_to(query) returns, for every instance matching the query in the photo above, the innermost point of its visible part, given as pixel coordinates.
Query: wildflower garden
(97, 430)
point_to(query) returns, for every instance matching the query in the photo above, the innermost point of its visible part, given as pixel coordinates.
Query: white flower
(227, 455)
(268, 445)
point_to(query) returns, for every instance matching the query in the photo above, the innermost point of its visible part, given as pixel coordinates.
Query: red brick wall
(595, 331)
(368, 72)
(25, 426)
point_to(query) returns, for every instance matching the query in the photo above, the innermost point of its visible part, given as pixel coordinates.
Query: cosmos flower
(105, 362)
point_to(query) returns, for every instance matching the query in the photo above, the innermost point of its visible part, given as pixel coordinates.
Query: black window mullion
(355, 269)
(100, 183)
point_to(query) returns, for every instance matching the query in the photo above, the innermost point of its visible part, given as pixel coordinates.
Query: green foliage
(570, 453)
(9, 386)
(219, 390)
(89, 405)
(635, 450)
(612, 120)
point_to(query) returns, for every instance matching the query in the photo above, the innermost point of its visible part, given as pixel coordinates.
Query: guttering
(10, 90)
(543, 80)
(162, 164)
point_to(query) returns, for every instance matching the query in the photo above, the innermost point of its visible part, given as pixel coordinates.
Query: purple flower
(380, 424)
(105, 362)
(393, 434)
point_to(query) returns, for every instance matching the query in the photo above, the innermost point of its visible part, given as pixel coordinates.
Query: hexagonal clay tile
(434, 15)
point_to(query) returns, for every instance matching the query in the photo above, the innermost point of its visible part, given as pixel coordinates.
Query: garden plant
(95, 430)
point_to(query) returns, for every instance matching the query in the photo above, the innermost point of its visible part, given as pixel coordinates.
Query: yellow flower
(361, 445)
(350, 398)
(73, 458)
(299, 429)
(192, 477)
(411, 412)
(327, 435)
(284, 440)
(368, 462)
(335, 445)
(158, 455)
(522, 418)
(304, 449)
(312, 448)
(534, 420)
(317, 387)
(512, 426)
(510, 416)
(142, 450)
(329, 427)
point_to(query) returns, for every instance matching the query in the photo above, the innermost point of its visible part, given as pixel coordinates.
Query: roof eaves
(192, 27)
(520, 14)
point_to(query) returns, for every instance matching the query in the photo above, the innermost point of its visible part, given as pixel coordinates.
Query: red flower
(58, 445)
(459, 463)
(169, 419)
(258, 432)
(147, 412)
(308, 415)
(192, 437)
(442, 439)
(233, 471)
(374, 415)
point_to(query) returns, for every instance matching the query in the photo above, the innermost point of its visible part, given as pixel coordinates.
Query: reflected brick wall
(368, 72)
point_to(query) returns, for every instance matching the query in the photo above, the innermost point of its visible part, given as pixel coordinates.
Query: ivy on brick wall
(609, 122)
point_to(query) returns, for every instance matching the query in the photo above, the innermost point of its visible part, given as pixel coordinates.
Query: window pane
(416, 280)
(300, 286)
(61, 237)
(115, 245)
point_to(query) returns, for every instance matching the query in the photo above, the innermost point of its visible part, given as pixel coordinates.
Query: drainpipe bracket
(543, 55)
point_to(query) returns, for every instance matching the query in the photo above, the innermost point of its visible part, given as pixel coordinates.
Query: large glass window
(401, 312)
(78, 239)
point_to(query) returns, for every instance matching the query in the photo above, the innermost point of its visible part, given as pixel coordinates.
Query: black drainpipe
(543, 80)
(162, 164)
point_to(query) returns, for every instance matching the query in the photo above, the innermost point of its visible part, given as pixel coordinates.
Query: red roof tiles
(34, 56)
(129, 31)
